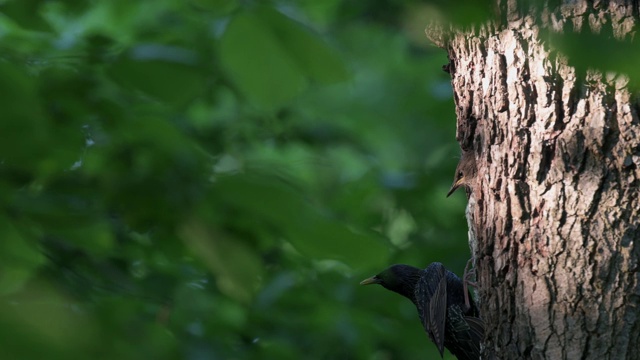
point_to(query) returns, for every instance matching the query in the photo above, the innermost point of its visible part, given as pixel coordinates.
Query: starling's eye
(460, 174)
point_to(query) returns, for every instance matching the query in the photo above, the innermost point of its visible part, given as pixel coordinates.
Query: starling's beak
(455, 186)
(371, 280)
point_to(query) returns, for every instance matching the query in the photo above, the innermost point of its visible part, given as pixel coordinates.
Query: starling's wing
(438, 312)
(431, 295)
(465, 334)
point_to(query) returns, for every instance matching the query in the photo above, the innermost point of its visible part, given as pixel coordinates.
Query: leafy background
(210, 179)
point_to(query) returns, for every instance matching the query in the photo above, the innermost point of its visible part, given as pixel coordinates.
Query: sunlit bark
(554, 208)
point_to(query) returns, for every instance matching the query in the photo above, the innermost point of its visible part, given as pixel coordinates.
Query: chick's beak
(371, 280)
(455, 186)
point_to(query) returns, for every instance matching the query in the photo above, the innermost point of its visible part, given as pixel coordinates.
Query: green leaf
(216, 7)
(320, 62)
(18, 258)
(235, 265)
(63, 212)
(22, 117)
(258, 63)
(578, 48)
(43, 324)
(314, 235)
(271, 58)
(322, 238)
(26, 14)
(163, 72)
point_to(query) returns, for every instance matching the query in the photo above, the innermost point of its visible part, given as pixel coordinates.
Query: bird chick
(465, 171)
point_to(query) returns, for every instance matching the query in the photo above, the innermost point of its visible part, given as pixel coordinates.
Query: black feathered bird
(440, 298)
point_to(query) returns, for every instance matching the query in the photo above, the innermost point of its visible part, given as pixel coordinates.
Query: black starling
(465, 171)
(439, 296)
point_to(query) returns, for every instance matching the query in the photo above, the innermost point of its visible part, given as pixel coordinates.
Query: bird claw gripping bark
(467, 279)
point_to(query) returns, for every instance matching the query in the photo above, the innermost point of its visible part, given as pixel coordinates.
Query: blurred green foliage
(210, 179)
(613, 55)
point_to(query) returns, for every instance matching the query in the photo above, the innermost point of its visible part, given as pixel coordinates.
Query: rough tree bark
(554, 208)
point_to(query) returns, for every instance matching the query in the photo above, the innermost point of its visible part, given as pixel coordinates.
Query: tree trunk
(554, 207)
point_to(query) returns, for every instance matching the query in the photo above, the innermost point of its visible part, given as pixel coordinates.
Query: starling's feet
(467, 280)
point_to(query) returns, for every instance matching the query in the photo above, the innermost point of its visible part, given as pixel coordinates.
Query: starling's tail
(476, 335)
(476, 326)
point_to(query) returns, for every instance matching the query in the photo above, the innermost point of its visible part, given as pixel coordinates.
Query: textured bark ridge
(554, 211)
